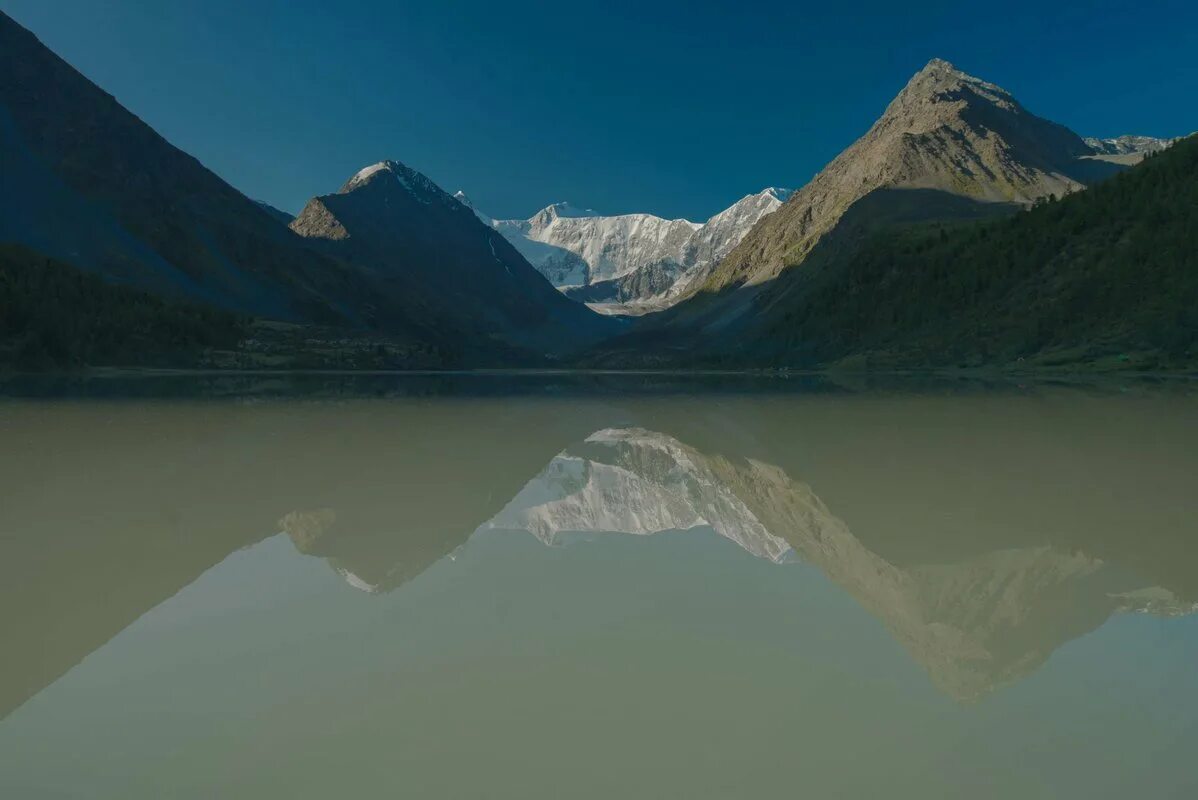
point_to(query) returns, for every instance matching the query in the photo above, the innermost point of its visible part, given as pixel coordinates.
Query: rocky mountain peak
(939, 71)
(390, 174)
(940, 91)
(626, 260)
(947, 132)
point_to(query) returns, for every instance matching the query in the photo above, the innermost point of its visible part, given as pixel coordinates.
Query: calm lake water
(598, 588)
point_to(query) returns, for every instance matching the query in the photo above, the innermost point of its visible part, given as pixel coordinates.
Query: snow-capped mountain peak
(629, 257)
(364, 174)
(1127, 145)
(416, 184)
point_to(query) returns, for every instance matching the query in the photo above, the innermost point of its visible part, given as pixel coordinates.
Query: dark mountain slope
(277, 213)
(86, 181)
(54, 315)
(414, 238)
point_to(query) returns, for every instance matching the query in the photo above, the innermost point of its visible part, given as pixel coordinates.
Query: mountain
(278, 214)
(1127, 145)
(655, 286)
(1107, 276)
(415, 240)
(950, 148)
(946, 132)
(632, 262)
(88, 183)
(573, 246)
(57, 316)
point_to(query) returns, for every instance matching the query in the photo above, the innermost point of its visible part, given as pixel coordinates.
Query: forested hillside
(1105, 275)
(53, 315)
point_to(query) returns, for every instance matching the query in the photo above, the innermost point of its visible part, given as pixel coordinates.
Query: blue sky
(670, 107)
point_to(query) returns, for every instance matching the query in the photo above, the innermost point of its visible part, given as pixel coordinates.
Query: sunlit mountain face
(855, 562)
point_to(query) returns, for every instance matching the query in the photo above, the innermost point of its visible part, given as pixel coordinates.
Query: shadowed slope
(416, 240)
(86, 181)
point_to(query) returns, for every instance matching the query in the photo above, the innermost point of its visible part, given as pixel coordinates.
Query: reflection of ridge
(374, 561)
(1070, 509)
(974, 625)
(635, 482)
(158, 494)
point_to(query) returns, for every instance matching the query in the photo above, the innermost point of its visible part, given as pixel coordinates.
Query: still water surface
(567, 593)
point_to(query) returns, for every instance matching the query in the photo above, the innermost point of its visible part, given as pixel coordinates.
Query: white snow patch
(366, 172)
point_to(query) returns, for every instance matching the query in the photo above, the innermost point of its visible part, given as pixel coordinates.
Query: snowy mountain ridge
(1127, 145)
(637, 258)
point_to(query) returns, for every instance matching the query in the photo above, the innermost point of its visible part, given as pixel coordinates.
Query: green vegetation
(1105, 277)
(54, 316)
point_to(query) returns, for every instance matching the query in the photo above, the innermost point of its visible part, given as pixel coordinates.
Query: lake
(597, 587)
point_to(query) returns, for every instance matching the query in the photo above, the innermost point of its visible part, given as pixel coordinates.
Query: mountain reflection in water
(974, 623)
(984, 532)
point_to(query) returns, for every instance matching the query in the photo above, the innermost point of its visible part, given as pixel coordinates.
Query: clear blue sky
(677, 108)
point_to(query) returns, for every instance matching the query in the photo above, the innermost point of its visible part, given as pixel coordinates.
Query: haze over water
(632, 587)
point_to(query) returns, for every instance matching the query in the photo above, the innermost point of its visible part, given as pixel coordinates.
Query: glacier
(628, 263)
